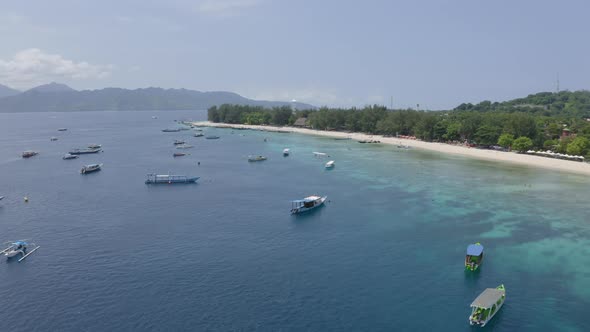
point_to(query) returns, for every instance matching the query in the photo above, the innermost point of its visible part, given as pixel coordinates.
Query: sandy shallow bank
(500, 156)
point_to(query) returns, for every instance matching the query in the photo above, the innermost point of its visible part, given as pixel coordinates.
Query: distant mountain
(56, 97)
(51, 87)
(6, 91)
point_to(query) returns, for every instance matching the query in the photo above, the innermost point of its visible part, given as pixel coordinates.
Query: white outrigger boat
(256, 158)
(320, 154)
(19, 247)
(306, 204)
(486, 305)
(90, 168)
(330, 164)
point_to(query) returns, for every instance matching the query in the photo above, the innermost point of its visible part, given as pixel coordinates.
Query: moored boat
(169, 130)
(212, 137)
(198, 135)
(169, 179)
(62, 129)
(178, 142)
(474, 256)
(94, 146)
(53, 139)
(286, 152)
(85, 151)
(179, 154)
(369, 141)
(68, 156)
(486, 305)
(90, 168)
(29, 154)
(306, 204)
(330, 164)
(256, 158)
(184, 146)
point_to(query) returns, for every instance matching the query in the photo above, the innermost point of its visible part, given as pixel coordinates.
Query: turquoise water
(386, 253)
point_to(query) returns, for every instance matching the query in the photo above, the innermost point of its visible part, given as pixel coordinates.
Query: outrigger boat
(62, 129)
(320, 154)
(169, 179)
(29, 154)
(53, 139)
(486, 305)
(179, 154)
(474, 256)
(306, 204)
(19, 247)
(212, 137)
(94, 146)
(330, 164)
(286, 152)
(256, 158)
(184, 146)
(68, 156)
(199, 135)
(171, 130)
(178, 142)
(90, 168)
(369, 141)
(85, 151)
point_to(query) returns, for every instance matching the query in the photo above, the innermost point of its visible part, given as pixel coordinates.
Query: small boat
(320, 154)
(154, 117)
(53, 139)
(306, 204)
(178, 142)
(29, 154)
(198, 135)
(169, 179)
(1, 198)
(184, 146)
(179, 154)
(286, 152)
(401, 146)
(171, 130)
(69, 156)
(85, 151)
(369, 141)
(62, 129)
(94, 146)
(256, 158)
(474, 256)
(330, 164)
(90, 168)
(212, 137)
(20, 247)
(486, 305)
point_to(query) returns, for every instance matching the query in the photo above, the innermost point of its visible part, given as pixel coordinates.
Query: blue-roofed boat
(474, 256)
(307, 204)
(19, 247)
(169, 179)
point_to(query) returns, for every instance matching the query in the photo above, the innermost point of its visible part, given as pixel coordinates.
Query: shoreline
(568, 166)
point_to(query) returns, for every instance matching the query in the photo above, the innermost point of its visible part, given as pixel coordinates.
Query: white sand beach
(500, 156)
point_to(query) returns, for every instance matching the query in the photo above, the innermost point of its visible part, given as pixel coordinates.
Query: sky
(435, 53)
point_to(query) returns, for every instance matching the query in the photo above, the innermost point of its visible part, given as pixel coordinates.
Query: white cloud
(225, 7)
(32, 66)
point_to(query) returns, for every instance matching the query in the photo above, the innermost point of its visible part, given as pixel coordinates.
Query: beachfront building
(301, 122)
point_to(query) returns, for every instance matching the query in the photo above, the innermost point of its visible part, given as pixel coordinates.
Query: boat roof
(19, 243)
(488, 298)
(474, 249)
(307, 199)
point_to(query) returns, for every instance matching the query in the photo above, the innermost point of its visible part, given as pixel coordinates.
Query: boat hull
(174, 181)
(84, 151)
(303, 209)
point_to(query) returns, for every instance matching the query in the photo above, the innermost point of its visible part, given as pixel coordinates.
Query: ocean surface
(385, 254)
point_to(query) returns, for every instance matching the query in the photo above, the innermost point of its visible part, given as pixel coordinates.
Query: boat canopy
(307, 199)
(19, 243)
(488, 298)
(474, 249)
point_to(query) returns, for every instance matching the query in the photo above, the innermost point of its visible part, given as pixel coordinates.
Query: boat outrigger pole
(30, 252)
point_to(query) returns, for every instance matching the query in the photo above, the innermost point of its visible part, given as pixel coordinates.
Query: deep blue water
(385, 254)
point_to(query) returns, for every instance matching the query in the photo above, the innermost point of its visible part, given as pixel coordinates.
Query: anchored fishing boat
(307, 204)
(62, 129)
(330, 164)
(85, 151)
(179, 154)
(20, 247)
(198, 135)
(286, 152)
(320, 154)
(90, 168)
(474, 256)
(486, 305)
(68, 156)
(256, 158)
(212, 137)
(53, 139)
(29, 154)
(369, 141)
(94, 146)
(184, 146)
(178, 142)
(169, 179)
(171, 130)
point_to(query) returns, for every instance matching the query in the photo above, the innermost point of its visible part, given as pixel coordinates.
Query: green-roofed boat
(486, 305)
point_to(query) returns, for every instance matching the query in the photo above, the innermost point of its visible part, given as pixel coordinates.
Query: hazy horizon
(425, 52)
